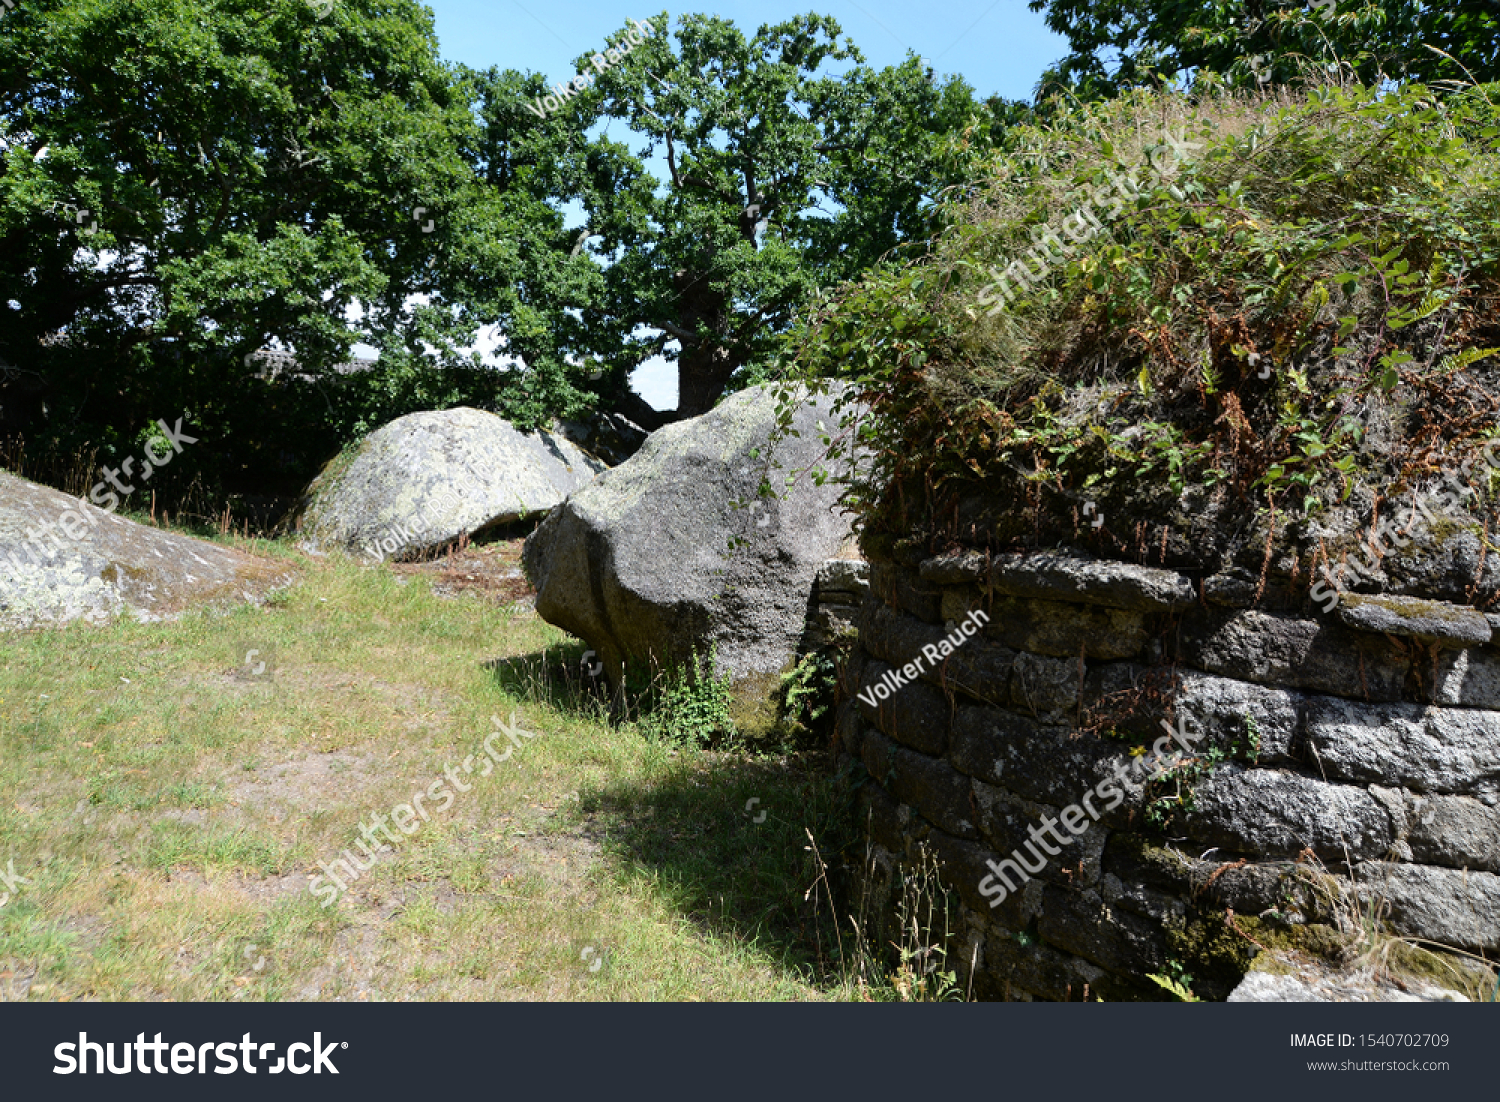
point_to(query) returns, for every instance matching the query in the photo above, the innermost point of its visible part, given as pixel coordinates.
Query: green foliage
(781, 178)
(686, 704)
(1178, 982)
(252, 173)
(809, 692)
(923, 920)
(1245, 318)
(1117, 44)
(1170, 791)
(1252, 735)
(1170, 794)
(182, 186)
(901, 944)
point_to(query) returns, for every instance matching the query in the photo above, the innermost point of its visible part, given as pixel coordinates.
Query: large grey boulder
(425, 479)
(640, 562)
(62, 559)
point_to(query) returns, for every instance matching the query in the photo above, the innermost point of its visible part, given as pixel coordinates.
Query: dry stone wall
(1344, 763)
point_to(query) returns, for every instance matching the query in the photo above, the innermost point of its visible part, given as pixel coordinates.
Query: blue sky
(996, 45)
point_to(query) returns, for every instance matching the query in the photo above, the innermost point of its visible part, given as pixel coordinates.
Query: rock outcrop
(673, 552)
(424, 480)
(62, 559)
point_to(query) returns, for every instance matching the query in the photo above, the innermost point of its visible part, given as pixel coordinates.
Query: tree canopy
(1115, 44)
(779, 178)
(182, 183)
(182, 186)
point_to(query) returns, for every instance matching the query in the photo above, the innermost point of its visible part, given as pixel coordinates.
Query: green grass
(166, 807)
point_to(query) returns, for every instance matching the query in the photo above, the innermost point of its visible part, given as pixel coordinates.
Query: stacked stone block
(1350, 762)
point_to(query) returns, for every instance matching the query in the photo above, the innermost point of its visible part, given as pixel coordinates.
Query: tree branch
(672, 162)
(681, 334)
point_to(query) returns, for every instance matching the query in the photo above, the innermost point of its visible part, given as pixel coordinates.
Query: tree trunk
(702, 375)
(705, 364)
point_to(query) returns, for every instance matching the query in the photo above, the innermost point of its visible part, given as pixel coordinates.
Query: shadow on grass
(565, 677)
(725, 840)
(570, 679)
(724, 836)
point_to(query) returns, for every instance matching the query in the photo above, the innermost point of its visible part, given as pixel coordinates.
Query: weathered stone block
(1262, 812)
(1052, 627)
(1046, 687)
(880, 816)
(1054, 576)
(916, 714)
(962, 866)
(1444, 562)
(930, 785)
(896, 587)
(1011, 970)
(1454, 831)
(1080, 922)
(1431, 621)
(1007, 969)
(1310, 981)
(1453, 751)
(831, 623)
(1249, 889)
(1103, 681)
(1393, 803)
(960, 569)
(894, 636)
(983, 740)
(851, 670)
(849, 576)
(958, 602)
(1234, 713)
(1037, 761)
(1233, 589)
(1468, 678)
(1141, 900)
(1048, 848)
(1126, 699)
(1448, 906)
(1136, 859)
(1302, 654)
(849, 727)
(978, 668)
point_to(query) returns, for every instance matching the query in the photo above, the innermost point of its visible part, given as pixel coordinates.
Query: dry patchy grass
(167, 800)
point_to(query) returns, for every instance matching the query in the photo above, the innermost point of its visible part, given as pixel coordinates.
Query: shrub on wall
(1256, 305)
